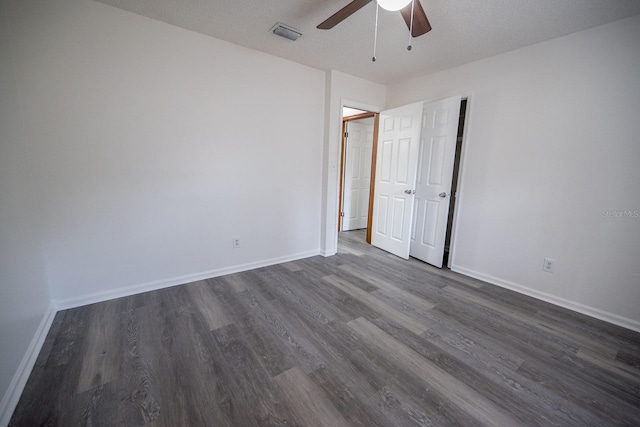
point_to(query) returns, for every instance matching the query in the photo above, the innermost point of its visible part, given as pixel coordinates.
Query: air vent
(286, 31)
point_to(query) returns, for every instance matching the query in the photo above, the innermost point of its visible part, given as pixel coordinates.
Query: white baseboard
(19, 380)
(571, 305)
(328, 253)
(63, 304)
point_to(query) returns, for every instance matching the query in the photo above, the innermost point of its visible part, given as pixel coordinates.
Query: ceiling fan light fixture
(393, 5)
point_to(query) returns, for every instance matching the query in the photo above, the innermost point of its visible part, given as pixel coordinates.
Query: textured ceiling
(463, 30)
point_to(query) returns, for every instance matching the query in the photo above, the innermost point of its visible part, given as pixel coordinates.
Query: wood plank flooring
(359, 339)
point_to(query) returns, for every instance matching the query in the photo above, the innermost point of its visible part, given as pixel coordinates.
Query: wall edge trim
(325, 253)
(19, 380)
(92, 298)
(552, 299)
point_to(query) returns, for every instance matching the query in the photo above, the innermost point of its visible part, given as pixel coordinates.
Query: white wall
(152, 147)
(25, 308)
(342, 90)
(552, 146)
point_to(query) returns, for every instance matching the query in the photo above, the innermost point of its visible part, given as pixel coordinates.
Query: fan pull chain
(413, 2)
(375, 34)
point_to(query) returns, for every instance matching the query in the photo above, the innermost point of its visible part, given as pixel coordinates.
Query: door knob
(407, 191)
(442, 195)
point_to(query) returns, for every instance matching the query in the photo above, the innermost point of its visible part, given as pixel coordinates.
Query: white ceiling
(463, 30)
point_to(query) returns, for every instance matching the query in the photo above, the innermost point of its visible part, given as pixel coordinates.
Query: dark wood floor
(361, 338)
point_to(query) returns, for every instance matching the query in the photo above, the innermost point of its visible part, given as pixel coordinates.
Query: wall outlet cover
(549, 265)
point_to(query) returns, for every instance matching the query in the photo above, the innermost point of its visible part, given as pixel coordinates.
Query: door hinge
(342, 214)
(346, 134)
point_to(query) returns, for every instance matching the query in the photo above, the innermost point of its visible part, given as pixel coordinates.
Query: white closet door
(396, 167)
(433, 184)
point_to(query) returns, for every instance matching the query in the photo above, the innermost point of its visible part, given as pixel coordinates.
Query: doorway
(357, 163)
(447, 193)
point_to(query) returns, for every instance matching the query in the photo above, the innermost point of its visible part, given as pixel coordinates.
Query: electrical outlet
(549, 265)
(236, 242)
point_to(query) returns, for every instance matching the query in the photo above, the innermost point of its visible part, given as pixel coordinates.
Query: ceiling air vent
(286, 31)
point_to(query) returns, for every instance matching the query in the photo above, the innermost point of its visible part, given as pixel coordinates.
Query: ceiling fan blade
(420, 22)
(343, 14)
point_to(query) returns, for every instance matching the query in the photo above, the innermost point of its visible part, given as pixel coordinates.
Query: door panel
(436, 163)
(433, 183)
(381, 214)
(357, 175)
(385, 162)
(397, 231)
(404, 161)
(396, 167)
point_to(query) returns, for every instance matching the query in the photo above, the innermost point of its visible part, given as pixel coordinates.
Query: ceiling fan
(419, 26)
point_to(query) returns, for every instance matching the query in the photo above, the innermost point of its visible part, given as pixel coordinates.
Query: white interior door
(433, 183)
(396, 166)
(357, 174)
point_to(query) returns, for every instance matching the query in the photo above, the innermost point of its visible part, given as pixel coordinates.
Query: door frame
(343, 148)
(374, 151)
(372, 183)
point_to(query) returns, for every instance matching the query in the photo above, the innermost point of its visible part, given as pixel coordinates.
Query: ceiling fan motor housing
(393, 5)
